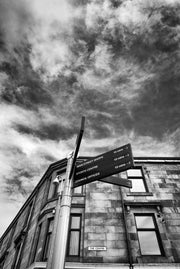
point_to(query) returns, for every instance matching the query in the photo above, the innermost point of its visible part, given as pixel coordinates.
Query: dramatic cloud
(116, 62)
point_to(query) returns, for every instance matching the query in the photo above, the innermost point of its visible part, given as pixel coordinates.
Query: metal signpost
(64, 205)
(104, 165)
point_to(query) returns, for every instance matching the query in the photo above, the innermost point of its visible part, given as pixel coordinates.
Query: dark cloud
(170, 15)
(24, 86)
(158, 110)
(15, 183)
(99, 125)
(49, 158)
(52, 131)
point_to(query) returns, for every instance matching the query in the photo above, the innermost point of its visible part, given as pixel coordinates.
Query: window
(48, 239)
(37, 246)
(2, 263)
(18, 242)
(16, 262)
(78, 190)
(2, 260)
(74, 235)
(56, 185)
(55, 190)
(148, 234)
(28, 215)
(137, 178)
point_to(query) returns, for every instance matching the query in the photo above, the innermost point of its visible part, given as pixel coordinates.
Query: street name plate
(97, 248)
(104, 165)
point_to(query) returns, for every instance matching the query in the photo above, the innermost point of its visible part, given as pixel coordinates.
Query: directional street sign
(104, 165)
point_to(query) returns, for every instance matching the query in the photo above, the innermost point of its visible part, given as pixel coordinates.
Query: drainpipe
(131, 266)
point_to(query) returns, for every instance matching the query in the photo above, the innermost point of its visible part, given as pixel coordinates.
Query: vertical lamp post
(63, 214)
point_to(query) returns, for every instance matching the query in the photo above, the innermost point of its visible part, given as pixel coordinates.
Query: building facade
(110, 226)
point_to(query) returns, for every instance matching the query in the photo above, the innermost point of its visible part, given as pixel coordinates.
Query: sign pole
(64, 205)
(60, 243)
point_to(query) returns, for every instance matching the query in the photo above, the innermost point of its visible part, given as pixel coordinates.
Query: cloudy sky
(117, 62)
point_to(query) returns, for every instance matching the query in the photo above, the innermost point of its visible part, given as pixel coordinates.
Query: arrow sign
(118, 181)
(104, 165)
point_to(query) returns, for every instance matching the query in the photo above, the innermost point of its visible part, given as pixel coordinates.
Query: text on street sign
(104, 165)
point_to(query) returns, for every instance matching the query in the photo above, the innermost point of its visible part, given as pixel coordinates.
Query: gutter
(130, 260)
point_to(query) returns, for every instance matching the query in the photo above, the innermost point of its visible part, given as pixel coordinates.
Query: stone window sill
(152, 259)
(139, 194)
(38, 265)
(78, 195)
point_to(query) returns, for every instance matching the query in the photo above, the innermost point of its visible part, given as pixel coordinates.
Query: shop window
(148, 235)
(74, 235)
(48, 239)
(137, 178)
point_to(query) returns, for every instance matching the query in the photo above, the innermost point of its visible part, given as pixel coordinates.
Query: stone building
(110, 226)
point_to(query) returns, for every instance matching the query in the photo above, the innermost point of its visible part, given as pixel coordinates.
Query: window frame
(142, 177)
(155, 229)
(48, 239)
(2, 262)
(74, 230)
(55, 190)
(17, 256)
(3, 259)
(78, 193)
(39, 230)
(28, 215)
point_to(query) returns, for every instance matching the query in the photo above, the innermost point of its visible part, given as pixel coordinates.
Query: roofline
(167, 160)
(62, 163)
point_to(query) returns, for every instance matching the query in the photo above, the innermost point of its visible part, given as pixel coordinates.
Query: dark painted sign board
(104, 165)
(117, 181)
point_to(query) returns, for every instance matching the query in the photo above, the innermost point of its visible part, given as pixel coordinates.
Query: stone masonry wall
(104, 224)
(163, 182)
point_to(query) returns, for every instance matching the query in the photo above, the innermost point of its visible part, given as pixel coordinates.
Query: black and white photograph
(89, 134)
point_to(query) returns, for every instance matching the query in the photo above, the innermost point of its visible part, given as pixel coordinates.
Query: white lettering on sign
(97, 248)
(118, 150)
(98, 158)
(81, 172)
(91, 161)
(84, 163)
(86, 170)
(91, 168)
(119, 166)
(119, 158)
(93, 175)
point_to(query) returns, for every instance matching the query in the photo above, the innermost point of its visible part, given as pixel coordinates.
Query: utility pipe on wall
(131, 266)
